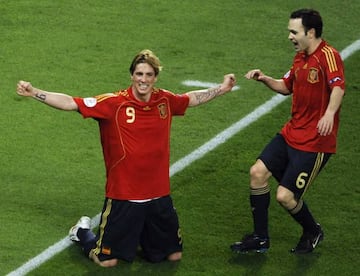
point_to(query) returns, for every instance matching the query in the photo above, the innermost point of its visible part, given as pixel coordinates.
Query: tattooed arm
(198, 97)
(56, 100)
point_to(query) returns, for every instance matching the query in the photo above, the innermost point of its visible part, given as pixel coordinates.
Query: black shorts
(125, 225)
(292, 168)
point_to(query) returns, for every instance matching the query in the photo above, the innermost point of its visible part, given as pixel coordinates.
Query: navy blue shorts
(292, 168)
(125, 226)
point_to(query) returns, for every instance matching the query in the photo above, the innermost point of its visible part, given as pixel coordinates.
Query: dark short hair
(146, 56)
(311, 19)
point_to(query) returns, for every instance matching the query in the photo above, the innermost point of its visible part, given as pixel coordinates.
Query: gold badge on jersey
(313, 76)
(162, 110)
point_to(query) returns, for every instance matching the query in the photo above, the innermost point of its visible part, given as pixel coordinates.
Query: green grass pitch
(52, 170)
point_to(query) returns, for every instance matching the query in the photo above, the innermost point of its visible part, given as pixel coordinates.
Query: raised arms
(53, 99)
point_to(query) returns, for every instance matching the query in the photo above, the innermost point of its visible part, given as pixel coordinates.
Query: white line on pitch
(182, 163)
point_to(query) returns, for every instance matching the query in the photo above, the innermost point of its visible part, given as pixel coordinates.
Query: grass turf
(51, 163)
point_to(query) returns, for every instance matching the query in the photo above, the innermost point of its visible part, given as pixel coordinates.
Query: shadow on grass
(138, 267)
(252, 262)
(84, 266)
(305, 262)
(258, 264)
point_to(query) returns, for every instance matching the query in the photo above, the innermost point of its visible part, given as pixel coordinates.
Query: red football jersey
(311, 79)
(135, 138)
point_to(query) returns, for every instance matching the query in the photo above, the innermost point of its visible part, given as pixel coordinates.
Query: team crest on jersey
(162, 110)
(313, 76)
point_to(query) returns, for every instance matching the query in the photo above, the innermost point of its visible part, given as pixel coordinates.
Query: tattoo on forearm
(211, 93)
(41, 97)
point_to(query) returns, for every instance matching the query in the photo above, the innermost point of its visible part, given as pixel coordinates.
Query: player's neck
(141, 97)
(313, 46)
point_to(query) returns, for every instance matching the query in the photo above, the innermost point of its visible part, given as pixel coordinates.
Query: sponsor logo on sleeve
(335, 80)
(287, 74)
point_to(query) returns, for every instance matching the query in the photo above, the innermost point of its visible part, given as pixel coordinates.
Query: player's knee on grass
(175, 256)
(106, 263)
(109, 263)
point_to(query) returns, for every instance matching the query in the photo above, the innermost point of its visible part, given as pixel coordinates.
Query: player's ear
(312, 33)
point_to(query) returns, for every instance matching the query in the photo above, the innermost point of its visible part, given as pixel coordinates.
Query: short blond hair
(146, 56)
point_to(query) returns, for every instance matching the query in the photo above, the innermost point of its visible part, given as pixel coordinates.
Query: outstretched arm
(326, 123)
(198, 97)
(56, 100)
(276, 85)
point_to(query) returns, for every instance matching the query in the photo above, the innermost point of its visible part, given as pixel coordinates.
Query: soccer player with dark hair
(296, 155)
(135, 135)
